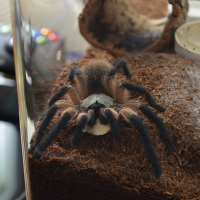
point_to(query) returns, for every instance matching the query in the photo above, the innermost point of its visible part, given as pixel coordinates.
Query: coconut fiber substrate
(103, 168)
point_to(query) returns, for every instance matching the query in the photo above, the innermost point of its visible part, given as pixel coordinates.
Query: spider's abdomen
(95, 77)
(98, 128)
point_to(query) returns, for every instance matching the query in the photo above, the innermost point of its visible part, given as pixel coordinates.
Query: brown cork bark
(123, 27)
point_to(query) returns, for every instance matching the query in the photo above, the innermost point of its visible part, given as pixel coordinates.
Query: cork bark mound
(102, 168)
(124, 27)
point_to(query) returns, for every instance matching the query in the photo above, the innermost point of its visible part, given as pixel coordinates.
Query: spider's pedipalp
(78, 133)
(73, 71)
(145, 138)
(54, 132)
(62, 91)
(112, 116)
(131, 87)
(91, 118)
(102, 117)
(159, 124)
(121, 64)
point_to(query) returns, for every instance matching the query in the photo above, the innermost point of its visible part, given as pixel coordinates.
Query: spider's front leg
(53, 106)
(75, 72)
(131, 87)
(54, 132)
(44, 123)
(152, 157)
(111, 117)
(110, 82)
(121, 64)
(62, 91)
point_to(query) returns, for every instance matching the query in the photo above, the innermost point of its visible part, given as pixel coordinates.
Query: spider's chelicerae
(98, 108)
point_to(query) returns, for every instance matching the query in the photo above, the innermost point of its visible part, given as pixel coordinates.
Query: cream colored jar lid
(187, 40)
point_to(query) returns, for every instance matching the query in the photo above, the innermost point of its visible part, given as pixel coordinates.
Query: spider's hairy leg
(111, 117)
(110, 76)
(82, 85)
(54, 132)
(45, 122)
(152, 157)
(110, 85)
(73, 71)
(120, 64)
(131, 87)
(153, 118)
(119, 94)
(159, 124)
(62, 91)
(78, 133)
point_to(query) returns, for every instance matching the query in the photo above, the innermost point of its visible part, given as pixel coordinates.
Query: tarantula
(97, 111)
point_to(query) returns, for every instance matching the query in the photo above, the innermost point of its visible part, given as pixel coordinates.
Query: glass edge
(21, 96)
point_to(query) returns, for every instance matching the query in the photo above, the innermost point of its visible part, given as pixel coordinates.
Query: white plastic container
(187, 40)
